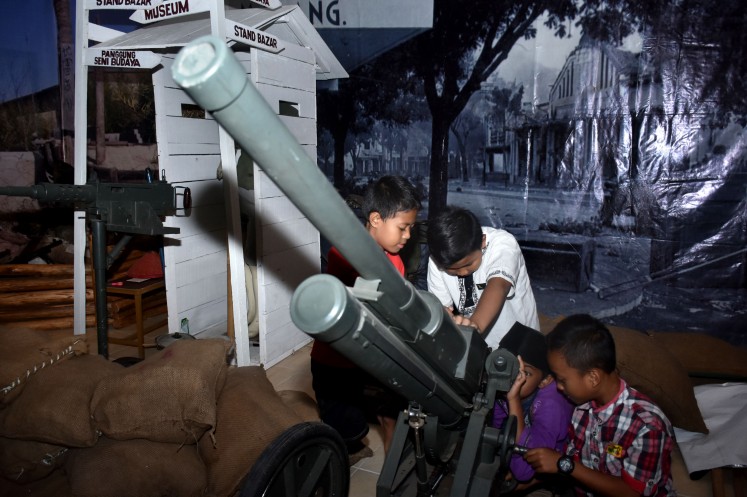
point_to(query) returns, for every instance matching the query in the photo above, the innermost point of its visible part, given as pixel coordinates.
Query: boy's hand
(543, 460)
(465, 321)
(521, 378)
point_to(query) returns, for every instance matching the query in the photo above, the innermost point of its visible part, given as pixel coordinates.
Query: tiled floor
(293, 374)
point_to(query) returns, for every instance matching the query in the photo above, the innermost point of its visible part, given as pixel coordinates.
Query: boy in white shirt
(478, 273)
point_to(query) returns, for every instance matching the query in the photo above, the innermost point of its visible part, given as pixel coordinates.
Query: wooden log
(51, 311)
(50, 324)
(45, 297)
(24, 284)
(36, 270)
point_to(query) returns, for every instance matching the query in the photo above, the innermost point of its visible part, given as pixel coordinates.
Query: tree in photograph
(374, 92)
(701, 46)
(339, 113)
(469, 42)
(130, 104)
(67, 75)
(466, 128)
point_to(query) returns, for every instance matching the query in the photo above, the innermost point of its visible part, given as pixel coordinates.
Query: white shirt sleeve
(502, 259)
(437, 284)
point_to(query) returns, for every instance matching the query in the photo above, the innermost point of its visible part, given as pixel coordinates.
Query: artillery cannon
(399, 334)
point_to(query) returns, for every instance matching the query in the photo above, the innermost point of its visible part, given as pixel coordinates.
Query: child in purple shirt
(543, 414)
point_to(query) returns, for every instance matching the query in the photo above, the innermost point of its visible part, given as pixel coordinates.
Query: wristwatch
(566, 465)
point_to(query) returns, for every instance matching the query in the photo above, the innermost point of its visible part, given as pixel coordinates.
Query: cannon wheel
(307, 459)
(507, 441)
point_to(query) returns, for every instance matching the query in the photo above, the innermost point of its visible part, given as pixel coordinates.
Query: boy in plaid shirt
(621, 442)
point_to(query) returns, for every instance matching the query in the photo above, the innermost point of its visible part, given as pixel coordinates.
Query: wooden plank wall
(195, 259)
(288, 246)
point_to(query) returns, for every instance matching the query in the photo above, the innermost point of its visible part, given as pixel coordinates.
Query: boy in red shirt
(390, 208)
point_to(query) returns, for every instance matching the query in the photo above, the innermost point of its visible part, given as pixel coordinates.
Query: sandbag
(169, 397)
(141, 468)
(55, 406)
(250, 416)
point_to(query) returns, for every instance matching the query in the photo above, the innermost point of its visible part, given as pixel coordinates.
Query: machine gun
(125, 207)
(134, 208)
(401, 335)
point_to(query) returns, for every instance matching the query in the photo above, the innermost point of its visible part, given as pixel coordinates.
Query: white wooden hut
(285, 58)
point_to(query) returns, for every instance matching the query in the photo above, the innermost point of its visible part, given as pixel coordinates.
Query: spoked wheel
(307, 459)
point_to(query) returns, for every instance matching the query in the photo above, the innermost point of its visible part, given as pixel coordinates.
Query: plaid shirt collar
(605, 412)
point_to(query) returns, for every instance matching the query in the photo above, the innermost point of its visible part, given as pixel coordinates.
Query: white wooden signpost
(136, 59)
(284, 57)
(253, 37)
(170, 9)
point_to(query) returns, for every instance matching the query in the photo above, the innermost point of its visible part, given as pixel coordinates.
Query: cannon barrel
(212, 76)
(48, 192)
(160, 195)
(323, 307)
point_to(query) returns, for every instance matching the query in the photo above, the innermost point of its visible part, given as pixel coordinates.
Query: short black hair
(521, 340)
(453, 234)
(585, 342)
(389, 195)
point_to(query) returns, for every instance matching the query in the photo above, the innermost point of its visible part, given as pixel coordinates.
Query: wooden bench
(562, 262)
(137, 290)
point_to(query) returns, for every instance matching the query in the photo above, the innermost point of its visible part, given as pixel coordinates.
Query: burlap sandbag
(23, 461)
(55, 406)
(705, 356)
(23, 353)
(250, 416)
(129, 468)
(169, 397)
(653, 370)
(54, 485)
(301, 403)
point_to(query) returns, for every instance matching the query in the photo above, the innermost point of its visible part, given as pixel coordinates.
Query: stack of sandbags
(151, 417)
(114, 430)
(180, 423)
(30, 361)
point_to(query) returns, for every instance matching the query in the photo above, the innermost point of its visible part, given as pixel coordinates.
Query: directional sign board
(270, 4)
(171, 9)
(138, 59)
(122, 4)
(253, 37)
